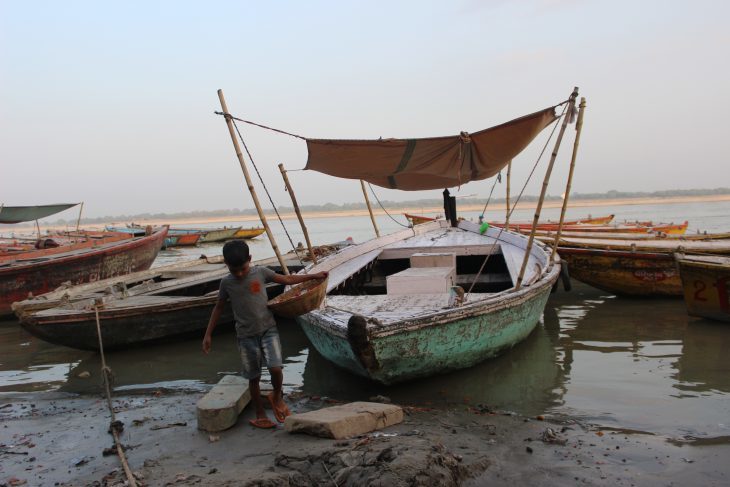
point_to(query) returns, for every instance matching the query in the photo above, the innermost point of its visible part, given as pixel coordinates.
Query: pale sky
(112, 104)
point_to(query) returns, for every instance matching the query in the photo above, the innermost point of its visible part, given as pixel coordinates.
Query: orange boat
(252, 232)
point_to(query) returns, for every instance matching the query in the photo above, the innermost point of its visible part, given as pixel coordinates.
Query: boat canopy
(19, 214)
(428, 163)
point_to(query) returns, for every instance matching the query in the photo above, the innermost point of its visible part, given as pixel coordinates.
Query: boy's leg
(271, 347)
(277, 379)
(255, 390)
(251, 360)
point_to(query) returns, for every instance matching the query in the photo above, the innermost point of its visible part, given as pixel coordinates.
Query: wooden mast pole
(509, 176)
(251, 189)
(367, 202)
(578, 128)
(299, 213)
(543, 192)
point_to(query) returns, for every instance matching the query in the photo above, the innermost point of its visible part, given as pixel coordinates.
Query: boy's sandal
(263, 423)
(279, 413)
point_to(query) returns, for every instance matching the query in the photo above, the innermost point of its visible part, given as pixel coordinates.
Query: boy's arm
(212, 323)
(297, 278)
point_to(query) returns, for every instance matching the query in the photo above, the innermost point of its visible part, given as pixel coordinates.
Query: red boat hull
(44, 274)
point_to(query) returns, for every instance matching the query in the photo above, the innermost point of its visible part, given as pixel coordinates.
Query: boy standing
(258, 338)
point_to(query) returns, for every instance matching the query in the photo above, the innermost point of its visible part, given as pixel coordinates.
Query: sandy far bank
(253, 220)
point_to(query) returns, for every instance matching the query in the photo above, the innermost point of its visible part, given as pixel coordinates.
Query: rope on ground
(534, 167)
(115, 427)
(383, 208)
(294, 248)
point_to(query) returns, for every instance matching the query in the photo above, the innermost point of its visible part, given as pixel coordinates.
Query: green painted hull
(443, 342)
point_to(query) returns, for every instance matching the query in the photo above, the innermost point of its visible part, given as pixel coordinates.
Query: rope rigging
(514, 206)
(383, 208)
(294, 248)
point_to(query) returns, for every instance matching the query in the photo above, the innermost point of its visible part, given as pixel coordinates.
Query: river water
(630, 364)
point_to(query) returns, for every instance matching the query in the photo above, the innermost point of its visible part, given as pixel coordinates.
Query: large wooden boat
(668, 228)
(425, 332)
(395, 307)
(706, 285)
(719, 246)
(40, 272)
(624, 272)
(642, 267)
(163, 303)
(520, 226)
(55, 243)
(549, 236)
(247, 233)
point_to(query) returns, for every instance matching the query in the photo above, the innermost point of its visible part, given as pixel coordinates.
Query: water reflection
(524, 379)
(642, 364)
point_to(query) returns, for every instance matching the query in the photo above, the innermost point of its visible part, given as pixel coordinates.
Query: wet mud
(61, 439)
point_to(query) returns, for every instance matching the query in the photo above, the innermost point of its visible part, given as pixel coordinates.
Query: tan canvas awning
(429, 163)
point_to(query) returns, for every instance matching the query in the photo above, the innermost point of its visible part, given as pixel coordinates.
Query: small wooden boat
(42, 271)
(706, 285)
(403, 326)
(247, 233)
(599, 220)
(418, 219)
(188, 240)
(170, 240)
(158, 304)
(208, 235)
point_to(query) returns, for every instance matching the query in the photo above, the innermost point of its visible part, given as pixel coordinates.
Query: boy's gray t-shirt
(248, 300)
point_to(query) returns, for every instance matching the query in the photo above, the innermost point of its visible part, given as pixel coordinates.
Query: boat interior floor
(388, 309)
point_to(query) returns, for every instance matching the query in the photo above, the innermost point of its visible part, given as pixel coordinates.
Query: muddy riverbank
(59, 439)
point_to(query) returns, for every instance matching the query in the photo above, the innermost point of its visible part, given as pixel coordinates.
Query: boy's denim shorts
(258, 350)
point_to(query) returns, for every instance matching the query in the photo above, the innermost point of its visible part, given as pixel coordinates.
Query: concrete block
(219, 409)
(433, 259)
(346, 420)
(421, 280)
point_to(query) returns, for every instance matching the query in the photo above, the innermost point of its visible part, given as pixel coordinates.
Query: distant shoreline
(254, 219)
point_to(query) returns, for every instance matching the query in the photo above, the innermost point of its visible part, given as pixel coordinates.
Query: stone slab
(219, 408)
(346, 420)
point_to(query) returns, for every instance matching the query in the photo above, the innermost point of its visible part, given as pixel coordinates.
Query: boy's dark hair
(235, 253)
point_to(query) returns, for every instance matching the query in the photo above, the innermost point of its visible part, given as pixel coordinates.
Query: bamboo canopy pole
(367, 202)
(251, 189)
(576, 142)
(543, 192)
(299, 213)
(509, 176)
(78, 221)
